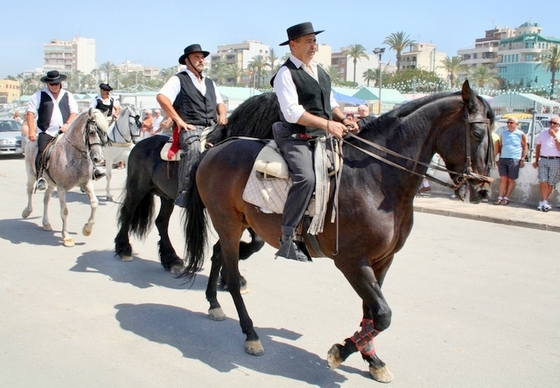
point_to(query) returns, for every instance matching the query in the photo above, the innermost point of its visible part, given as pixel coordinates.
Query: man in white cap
(156, 126)
(51, 109)
(193, 102)
(147, 124)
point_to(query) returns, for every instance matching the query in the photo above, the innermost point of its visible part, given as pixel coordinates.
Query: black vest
(106, 109)
(314, 96)
(46, 107)
(192, 106)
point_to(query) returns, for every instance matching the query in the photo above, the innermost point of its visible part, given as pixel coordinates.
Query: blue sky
(155, 33)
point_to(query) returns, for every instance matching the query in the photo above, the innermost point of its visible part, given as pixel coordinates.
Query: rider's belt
(550, 157)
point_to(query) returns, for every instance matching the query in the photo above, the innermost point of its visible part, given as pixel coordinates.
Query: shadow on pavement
(220, 344)
(140, 272)
(19, 231)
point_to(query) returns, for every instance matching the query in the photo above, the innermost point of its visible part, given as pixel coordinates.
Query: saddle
(46, 156)
(269, 181)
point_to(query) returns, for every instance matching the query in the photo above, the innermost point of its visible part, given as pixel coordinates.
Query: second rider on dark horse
(193, 102)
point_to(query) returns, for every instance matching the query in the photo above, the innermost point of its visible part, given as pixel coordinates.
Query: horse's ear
(469, 96)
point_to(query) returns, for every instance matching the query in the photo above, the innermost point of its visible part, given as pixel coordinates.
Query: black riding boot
(290, 250)
(182, 184)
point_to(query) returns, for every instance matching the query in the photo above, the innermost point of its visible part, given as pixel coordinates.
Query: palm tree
(258, 64)
(550, 60)
(452, 66)
(483, 75)
(371, 75)
(333, 73)
(271, 60)
(235, 72)
(107, 68)
(356, 52)
(398, 41)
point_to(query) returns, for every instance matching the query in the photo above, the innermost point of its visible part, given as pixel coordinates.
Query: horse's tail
(195, 224)
(137, 210)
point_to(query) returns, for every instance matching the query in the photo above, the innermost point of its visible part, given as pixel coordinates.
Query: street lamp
(379, 51)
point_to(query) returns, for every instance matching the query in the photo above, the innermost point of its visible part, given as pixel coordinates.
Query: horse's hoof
(381, 374)
(68, 242)
(254, 348)
(177, 269)
(86, 230)
(127, 258)
(333, 357)
(47, 227)
(26, 213)
(217, 314)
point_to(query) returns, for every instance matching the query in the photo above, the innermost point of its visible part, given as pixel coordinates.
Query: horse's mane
(387, 122)
(253, 118)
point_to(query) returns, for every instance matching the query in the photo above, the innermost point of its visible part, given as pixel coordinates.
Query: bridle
(92, 128)
(460, 177)
(132, 137)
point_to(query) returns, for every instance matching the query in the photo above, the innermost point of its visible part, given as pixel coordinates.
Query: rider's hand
(336, 129)
(222, 120)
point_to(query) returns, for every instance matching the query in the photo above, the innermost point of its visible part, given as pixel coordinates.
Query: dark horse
(376, 200)
(148, 175)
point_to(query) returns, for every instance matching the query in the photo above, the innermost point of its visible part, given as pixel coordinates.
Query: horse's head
(129, 124)
(466, 145)
(96, 134)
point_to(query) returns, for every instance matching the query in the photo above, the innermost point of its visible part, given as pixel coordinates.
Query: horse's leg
(46, 198)
(30, 183)
(230, 257)
(66, 239)
(93, 202)
(31, 177)
(376, 318)
(168, 257)
(215, 311)
(109, 173)
(246, 249)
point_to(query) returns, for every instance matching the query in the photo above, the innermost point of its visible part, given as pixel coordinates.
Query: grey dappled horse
(70, 164)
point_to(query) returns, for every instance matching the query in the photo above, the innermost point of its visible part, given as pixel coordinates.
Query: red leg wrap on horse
(174, 145)
(363, 339)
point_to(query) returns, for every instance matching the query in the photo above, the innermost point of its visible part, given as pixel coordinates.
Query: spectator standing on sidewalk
(512, 148)
(547, 160)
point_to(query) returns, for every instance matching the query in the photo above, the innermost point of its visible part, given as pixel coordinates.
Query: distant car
(10, 137)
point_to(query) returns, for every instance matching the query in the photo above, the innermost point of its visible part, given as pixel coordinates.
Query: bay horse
(70, 164)
(375, 212)
(148, 175)
(123, 134)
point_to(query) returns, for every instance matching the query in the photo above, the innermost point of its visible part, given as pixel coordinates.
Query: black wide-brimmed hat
(105, 87)
(298, 30)
(53, 77)
(193, 48)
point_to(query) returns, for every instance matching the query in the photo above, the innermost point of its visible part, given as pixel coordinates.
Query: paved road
(475, 304)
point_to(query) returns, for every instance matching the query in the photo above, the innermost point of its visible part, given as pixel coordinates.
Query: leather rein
(461, 177)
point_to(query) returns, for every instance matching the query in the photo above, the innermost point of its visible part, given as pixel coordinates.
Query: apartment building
(67, 56)
(10, 90)
(513, 53)
(520, 65)
(424, 56)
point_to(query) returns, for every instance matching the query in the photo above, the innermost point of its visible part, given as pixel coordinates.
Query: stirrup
(290, 250)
